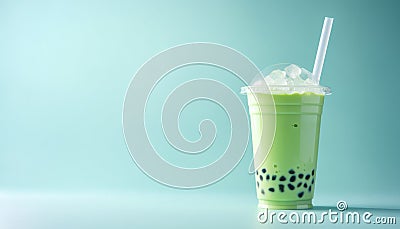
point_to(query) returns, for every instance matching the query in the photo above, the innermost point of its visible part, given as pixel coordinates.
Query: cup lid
(285, 89)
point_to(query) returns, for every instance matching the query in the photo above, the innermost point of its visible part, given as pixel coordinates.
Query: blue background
(65, 67)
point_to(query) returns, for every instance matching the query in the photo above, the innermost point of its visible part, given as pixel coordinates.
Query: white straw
(323, 45)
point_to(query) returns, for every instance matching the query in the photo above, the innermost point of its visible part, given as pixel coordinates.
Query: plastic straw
(323, 45)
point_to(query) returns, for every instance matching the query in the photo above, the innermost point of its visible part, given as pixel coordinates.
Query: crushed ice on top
(292, 75)
(291, 79)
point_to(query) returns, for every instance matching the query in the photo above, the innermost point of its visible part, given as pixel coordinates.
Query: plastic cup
(286, 177)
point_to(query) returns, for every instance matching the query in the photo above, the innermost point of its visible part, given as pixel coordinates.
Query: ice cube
(277, 74)
(280, 81)
(269, 80)
(309, 81)
(259, 83)
(305, 74)
(293, 71)
(298, 81)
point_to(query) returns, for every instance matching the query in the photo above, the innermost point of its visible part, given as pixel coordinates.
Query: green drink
(286, 179)
(286, 170)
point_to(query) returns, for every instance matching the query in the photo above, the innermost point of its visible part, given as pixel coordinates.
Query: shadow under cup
(286, 178)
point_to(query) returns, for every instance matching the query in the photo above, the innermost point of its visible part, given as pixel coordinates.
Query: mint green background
(65, 66)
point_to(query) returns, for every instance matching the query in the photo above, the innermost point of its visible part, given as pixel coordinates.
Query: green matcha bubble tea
(285, 179)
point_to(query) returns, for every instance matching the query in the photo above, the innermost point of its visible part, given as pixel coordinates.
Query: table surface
(141, 210)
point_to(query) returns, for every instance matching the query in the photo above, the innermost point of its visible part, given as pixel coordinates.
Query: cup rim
(287, 89)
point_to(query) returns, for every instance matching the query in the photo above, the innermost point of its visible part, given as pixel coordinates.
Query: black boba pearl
(267, 177)
(290, 186)
(312, 181)
(301, 176)
(271, 189)
(305, 185)
(299, 184)
(300, 194)
(291, 171)
(309, 188)
(257, 172)
(293, 178)
(307, 176)
(273, 177)
(312, 172)
(262, 191)
(282, 178)
(281, 188)
(264, 170)
(258, 184)
(261, 178)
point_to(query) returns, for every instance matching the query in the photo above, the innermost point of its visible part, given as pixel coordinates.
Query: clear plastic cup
(286, 178)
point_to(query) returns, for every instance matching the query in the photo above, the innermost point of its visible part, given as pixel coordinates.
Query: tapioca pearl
(264, 170)
(290, 186)
(309, 188)
(271, 189)
(275, 166)
(301, 176)
(273, 177)
(305, 185)
(258, 184)
(292, 178)
(261, 178)
(300, 194)
(257, 172)
(291, 171)
(262, 191)
(312, 181)
(307, 176)
(267, 177)
(312, 172)
(282, 178)
(299, 184)
(281, 187)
